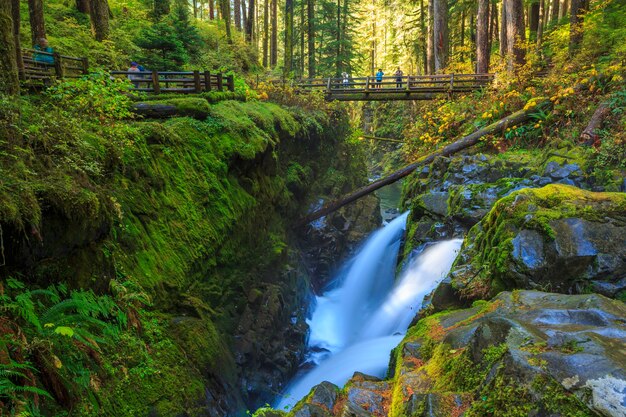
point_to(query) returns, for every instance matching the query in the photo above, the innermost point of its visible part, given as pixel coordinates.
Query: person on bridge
(134, 67)
(399, 74)
(345, 79)
(379, 77)
(46, 57)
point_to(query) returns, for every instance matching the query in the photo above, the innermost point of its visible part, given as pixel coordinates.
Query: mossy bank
(184, 226)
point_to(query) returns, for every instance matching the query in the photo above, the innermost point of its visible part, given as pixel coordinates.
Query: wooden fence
(158, 82)
(38, 67)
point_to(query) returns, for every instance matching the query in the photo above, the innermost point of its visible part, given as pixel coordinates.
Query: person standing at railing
(42, 46)
(399, 74)
(134, 67)
(345, 79)
(379, 77)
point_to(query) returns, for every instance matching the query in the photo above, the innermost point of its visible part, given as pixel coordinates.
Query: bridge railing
(39, 67)
(158, 82)
(439, 83)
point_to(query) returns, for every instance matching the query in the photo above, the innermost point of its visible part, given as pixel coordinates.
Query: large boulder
(558, 238)
(531, 353)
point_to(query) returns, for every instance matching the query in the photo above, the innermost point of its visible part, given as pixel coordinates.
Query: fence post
(207, 80)
(231, 83)
(85, 63)
(220, 82)
(328, 85)
(367, 83)
(58, 65)
(408, 83)
(155, 82)
(196, 81)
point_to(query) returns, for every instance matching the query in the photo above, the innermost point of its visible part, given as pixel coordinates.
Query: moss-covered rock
(558, 238)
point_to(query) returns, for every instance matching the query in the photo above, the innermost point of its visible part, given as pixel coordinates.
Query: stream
(365, 311)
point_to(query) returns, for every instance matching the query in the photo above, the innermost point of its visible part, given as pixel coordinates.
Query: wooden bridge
(182, 82)
(38, 69)
(411, 87)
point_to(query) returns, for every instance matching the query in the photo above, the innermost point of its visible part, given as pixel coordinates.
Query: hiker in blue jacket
(379, 77)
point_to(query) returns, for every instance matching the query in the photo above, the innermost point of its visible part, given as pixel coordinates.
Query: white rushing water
(355, 325)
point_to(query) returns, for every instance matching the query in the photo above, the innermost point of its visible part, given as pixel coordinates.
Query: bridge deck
(411, 87)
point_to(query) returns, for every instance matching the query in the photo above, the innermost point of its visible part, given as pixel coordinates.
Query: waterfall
(355, 324)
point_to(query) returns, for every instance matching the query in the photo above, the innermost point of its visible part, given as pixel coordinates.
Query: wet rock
(525, 350)
(324, 394)
(558, 238)
(312, 410)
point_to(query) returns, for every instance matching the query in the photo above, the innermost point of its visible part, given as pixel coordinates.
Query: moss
(491, 240)
(197, 108)
(557, 400)
(502, 397)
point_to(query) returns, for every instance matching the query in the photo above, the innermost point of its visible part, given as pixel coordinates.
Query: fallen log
(590, 135)
(461, 144)
(382, 139)
(155, 111)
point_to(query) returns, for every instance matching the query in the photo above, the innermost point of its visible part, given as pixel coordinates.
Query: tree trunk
(482, 37)
(9, 80)
(461, 144)
(431, 37)
(564, 9)
(533, 20)
(493, 24)
(16, 18)
(266, 32)
(237, 5)
(423, 36)
(462, 34)
(338, 39)
(212, 9)
(37, 24)
(542, 20)
(244, 14)
(225, 12)
(554, 11)
(83, 6)
(503, 40)
(288, 37)
(99, 19)
(440, 31)
(250, 22)
(274, 35)
(311, 36)
(516, 36)
(302, 61)
(579, 7)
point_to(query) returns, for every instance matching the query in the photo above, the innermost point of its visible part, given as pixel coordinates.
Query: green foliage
(97, 95)
(62, 331)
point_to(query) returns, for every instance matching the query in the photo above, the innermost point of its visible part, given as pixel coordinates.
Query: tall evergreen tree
(37, 24)
(311, 36)
(440, 34)
(482, 37)
(9, 81)
(288, 37)
(99, 15)
(516, 36)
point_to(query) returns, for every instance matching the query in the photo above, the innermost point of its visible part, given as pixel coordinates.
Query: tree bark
(579, 7)
(589, 136)
(99, 19)
(288, 37)
(516, 36)
(533, 20)
(423, 36)
(563, 9)
(441, 34)
(9, 80)
(225, 12)
(37, 24)
(311, 36)
(16, 18)
(266, 32)
(503, 39)
(274, 35)
(212, 9)
(482, 37)
(554, 11)
(83, 6)
(237, 6)
(464, 143)
(542, 20)
(244, 14)
(431, 38)
(250, 22)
